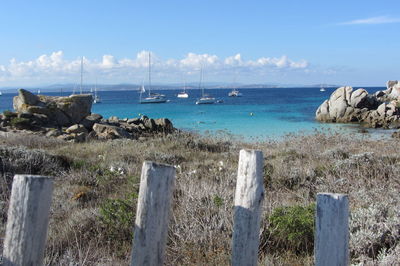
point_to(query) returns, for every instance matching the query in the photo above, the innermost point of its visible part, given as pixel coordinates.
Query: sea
(260, 114)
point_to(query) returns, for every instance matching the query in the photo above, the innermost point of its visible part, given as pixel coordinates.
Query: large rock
(61, 111)
(90, 120)
(164, 125)
(110, 132)
(393, 89)
(359, 98)
(346, 105)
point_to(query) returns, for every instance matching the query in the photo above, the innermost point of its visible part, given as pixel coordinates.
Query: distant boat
(205, 98)
(322, 89)
(183, 94)
(38, 91)
(1, 93)
(235, 93)
(96, 98)
(153, 97)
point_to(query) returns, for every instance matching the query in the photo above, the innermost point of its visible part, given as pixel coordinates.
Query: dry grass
(95, 195)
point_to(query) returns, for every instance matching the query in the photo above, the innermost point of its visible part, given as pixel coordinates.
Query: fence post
(28, 217)
(151, 226)
(332, 230)
(249, 197)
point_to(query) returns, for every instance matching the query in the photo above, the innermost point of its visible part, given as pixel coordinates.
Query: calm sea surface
(259, 114)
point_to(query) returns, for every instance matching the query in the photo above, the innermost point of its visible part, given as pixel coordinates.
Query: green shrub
(78, 164)
(218, 201)
(9, 114)
(118, 217)
(20, 122)
(292, 228)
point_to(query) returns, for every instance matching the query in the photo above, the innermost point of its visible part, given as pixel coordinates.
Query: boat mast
(201, 79)
(81, 72)
(149, 73)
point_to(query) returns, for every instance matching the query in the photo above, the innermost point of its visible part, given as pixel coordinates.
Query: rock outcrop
(372, 110)
(62, 111)
(70, 119)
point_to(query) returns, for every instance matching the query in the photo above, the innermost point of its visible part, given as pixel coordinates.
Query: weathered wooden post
(151, 226)
(332, 230)
(28, 217)
(249, 197)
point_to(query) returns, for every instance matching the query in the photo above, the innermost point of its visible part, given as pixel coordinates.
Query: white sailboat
(322, 88)
(96, 98)
(235, 93)
(205, 98)
(183, 94)
(153, 97)
(1, 93)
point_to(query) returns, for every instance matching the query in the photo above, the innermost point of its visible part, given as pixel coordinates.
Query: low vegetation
(97, 183)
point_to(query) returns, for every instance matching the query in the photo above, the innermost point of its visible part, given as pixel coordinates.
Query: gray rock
(24, 98)
(60, 118)
(396, 134)
(53, 133)
(62, 111)
(76, 107)
(164, 125)
(110, 132)
(393, 89)
(66, 137)
(135, 121)
(381, 111)
(76, 129)
(25, 115)
(322, 113)
(80, 137)
(359, 98)
(346, 105)
(113, 119)
(90, 120)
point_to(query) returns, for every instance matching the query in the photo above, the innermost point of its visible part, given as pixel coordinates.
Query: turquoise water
(259, 114)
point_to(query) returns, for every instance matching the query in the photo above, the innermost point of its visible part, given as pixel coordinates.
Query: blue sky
(288, 42)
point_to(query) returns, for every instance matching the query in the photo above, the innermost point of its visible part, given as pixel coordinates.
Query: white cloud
(55, 68)
(372, 20)
(196, 60)
(108, 61)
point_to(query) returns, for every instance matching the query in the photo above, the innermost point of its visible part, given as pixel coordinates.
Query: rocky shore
(70, 119)
(378, 110)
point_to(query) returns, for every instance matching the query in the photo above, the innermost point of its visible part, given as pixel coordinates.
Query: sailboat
(153, 97)
(235, 93)
(96, 97)
(1, 93)
(205, 98)
(322, 88)
(183, 94)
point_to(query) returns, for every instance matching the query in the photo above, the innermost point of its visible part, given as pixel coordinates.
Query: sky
(305, 42)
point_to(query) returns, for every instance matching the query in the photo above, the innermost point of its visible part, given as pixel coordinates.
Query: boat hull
(153, 100)
(183, 95)
(206, 101)
(235, 93)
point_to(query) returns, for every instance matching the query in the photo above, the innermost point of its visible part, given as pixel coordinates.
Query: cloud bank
(52, 68)
(372, 20)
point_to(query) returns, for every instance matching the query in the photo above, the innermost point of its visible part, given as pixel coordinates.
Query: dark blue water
(260, 113)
